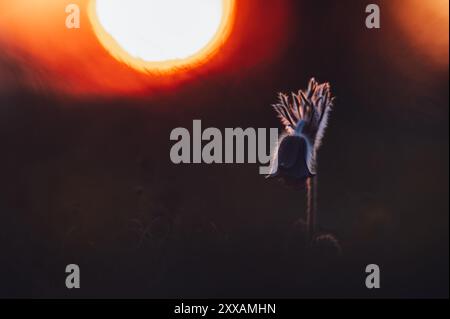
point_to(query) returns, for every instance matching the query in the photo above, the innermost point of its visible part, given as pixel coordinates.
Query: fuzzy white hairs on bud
(306, 114)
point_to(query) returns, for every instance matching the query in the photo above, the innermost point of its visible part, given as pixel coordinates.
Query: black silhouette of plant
(305, 118)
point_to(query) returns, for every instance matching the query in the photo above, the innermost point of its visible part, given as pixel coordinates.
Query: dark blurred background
(89, 180)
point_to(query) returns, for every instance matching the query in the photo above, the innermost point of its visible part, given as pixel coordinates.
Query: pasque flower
(305, 118)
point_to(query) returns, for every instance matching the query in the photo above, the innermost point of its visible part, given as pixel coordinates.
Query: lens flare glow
(425, 24)
(161, 35)
(45, 55)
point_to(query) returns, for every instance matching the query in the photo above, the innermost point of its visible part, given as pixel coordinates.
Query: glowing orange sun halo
(162, 57)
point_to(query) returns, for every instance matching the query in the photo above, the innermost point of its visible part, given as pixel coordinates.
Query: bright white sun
(161, 34)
